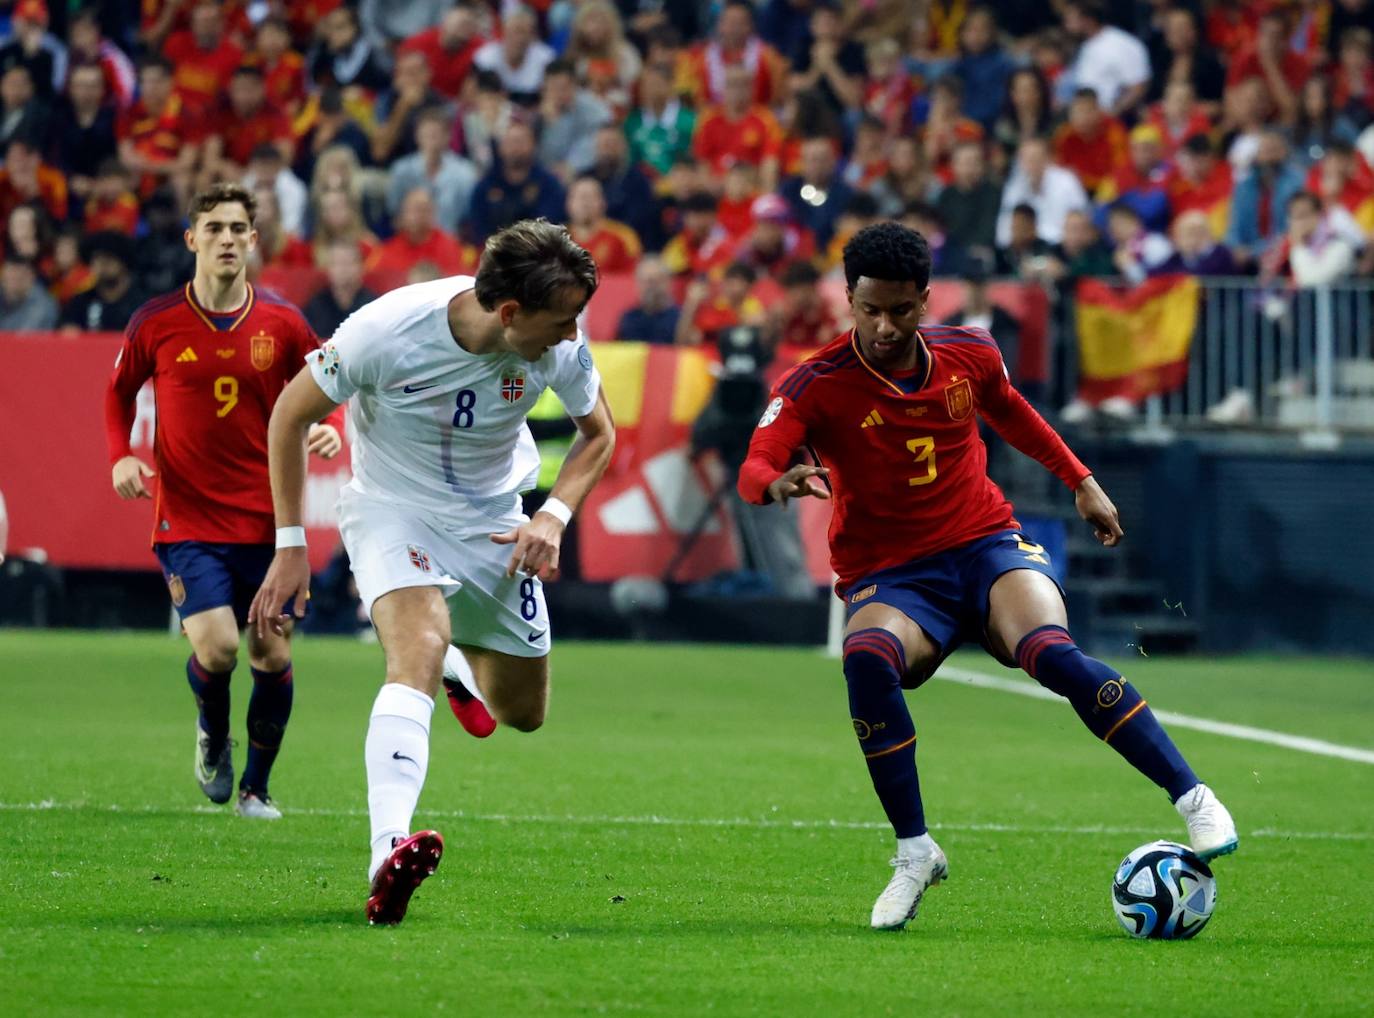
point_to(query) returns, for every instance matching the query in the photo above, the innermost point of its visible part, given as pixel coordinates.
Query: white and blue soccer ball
(1164, 891)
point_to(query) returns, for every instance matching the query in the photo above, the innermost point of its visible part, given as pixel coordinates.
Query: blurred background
(1162, 212)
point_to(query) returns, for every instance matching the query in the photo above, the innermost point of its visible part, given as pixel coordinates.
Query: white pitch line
(1301, 743)
(653, 820)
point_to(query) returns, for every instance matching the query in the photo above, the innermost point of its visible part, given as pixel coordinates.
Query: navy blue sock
(1109, 705)
(212, 697)
(269, 708)
(873, 666)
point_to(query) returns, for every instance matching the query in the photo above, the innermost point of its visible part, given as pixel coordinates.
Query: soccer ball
(1163, 891)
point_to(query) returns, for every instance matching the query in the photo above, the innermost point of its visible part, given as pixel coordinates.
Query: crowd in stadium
(703, 147)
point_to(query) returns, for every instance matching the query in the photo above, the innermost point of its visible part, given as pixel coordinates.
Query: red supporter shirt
(613, 246)
(157, 137)
(52, 193)
(449, 68)
(243, 134)
(723, 142)
(119, 215)
(908, 470)
(216, 378)
(1185, 196)
(445, 252)
(1093, 158)
(285, 81)
(202, 76)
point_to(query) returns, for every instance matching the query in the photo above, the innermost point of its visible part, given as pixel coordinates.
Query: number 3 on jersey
(924, 450)
(463, 416)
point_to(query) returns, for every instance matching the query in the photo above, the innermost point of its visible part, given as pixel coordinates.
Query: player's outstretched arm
(765, 476)
(538, 541)
(1095, 507)
(300, 405)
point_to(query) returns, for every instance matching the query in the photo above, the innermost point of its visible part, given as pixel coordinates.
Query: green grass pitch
(665, 846)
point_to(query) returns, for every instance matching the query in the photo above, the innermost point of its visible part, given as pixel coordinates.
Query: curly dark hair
(887, 251)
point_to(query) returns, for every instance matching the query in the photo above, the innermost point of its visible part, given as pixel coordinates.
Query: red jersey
(908, 470)
(52, 193)
(449, 67)
(285, 81)
(120, 215)
(158, 137)
(400, 254)
(202, 76)
(241, 135)
(1093, 158)
(613, 246)
(723, 142)
(216, 378)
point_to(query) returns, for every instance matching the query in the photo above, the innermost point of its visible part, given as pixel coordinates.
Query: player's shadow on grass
(153, 924)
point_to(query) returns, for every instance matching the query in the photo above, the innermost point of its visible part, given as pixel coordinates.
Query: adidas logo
(187, 356)
(872, 420)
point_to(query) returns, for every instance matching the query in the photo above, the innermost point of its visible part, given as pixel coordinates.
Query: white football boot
(913, 873)
(255, 808)
(1211, 831)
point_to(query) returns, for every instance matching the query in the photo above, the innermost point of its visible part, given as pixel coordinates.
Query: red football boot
(410, 862)
(471, 713)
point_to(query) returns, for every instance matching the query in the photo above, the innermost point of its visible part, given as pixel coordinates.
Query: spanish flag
(1135, 342)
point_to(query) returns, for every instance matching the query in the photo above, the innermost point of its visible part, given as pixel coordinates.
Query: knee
(218, 656)
(421, 656)
(272, 661)
(874, 657)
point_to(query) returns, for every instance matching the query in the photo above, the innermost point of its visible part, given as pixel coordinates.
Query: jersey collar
(226, 321)
(901, 386)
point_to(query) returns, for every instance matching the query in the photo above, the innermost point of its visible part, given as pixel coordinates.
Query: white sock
(919, 846)
(397, 755)
(456, 667)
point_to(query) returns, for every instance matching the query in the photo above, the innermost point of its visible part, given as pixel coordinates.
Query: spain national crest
(959, 399)
(262, 351)
(177, 588)
(513, 387)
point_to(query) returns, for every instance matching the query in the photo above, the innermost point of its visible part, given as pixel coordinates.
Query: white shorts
(390, 548)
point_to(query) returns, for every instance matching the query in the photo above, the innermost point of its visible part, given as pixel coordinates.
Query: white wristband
(558, 509)
(290, 537)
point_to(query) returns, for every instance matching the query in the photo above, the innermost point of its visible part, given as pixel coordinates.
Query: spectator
(734, 45)
(1178, 117)
(1051, 191)
(831, 65)
(519, 57)
(819, 194)
(1345, 185)
(88, 45)
(1353, 77)
(399, 108)
(1273, 64)
(339, 220)
(1025, 114)
(448, 47)
(419, 239)
(157, 137)
(1318, 124)
(388, 21)
(654, 319)
(945, 127)
(868, 156)
(603, 59)
(244, 122)
(978, 311)
(659, 129)
(734, 211)
(25, 305)
(343, 267)
(112, 301)
(25, 178)
(1113, 63)
(328, 125)
(29, 234)
(969, 204)
(629, 195)
(947, 258)
(983, 67)
(614, 246)
(702, 245)
(112, 206)
(343, 56)
(861, 211)
(84, 135)
(1136, 251)
(1196, 251)
(1246, 118)
(70, 275)
(803, 317)
(739, 130)
(162, 262)
(906, 180)
(1201, 182)
(22, 114)
(1080, 254)
(774, 241)
(785, 25)
(1260, 202)
(516, 188)
(1090, 144)
(267, 168)
(705, 314)
(277, 246)
(484, 113)
(338, 167)
(1318, 254)
(449, 178)
(1181, 59)
(1142, 182)
(888, 89)
(204, 58)
(32, 46)
(1026, 254)
(569, 117)
(283, 69)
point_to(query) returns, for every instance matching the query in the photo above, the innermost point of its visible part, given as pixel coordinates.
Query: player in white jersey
(439, 378)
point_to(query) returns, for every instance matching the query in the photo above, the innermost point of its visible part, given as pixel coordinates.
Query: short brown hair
(529, 262)
(222, 193)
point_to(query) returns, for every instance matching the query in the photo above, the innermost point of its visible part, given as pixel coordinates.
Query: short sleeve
(348, 362)
(575, 379)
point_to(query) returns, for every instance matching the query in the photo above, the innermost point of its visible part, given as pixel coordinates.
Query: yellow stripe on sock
(890, 749)
(1132, 713)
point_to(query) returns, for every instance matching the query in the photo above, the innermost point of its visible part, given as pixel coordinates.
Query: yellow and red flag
(1135, 342)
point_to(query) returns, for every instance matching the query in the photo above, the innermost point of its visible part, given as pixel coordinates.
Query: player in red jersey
(925, 545)
(219, 352)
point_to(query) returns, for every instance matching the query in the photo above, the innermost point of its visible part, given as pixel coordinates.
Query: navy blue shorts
(947, 594)
(202, 575)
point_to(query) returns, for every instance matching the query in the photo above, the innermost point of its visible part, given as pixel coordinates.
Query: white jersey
(433, 427)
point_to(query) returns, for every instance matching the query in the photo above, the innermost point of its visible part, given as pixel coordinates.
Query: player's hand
(1095, 507)
(128, 477)
(324, 441)
(796, 483)
(536, 546)
(288, 576)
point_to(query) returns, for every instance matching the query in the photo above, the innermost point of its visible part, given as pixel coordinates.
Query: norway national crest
(959, 399)
(419, 558)
(513, 386)
(262, 351)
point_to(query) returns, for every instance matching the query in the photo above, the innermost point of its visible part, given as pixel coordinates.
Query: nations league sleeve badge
(771, 414)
